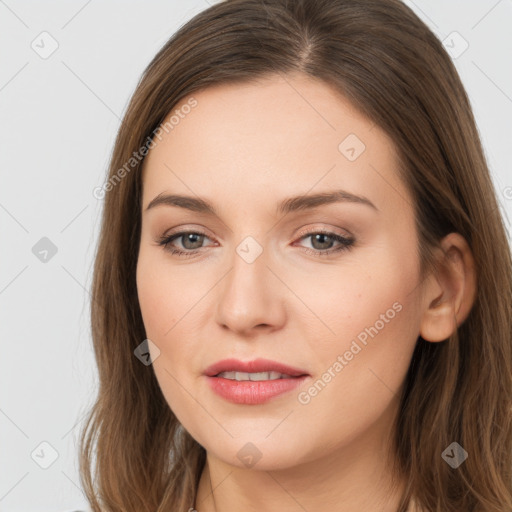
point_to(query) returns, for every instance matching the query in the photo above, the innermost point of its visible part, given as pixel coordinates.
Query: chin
(267, 455)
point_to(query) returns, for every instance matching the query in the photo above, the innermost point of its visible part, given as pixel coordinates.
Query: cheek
(366, 313)
(358, 373)
(170, 304)
(164, 298)
(345, 301)
(163, 310)
(153, 300)
(374, 330)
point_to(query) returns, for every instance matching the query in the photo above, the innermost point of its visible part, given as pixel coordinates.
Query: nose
(251, 298)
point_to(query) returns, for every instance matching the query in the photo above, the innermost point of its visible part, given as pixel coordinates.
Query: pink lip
(252, 392)
(257, 365)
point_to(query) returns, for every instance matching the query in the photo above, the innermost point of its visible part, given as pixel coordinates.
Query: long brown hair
(393, 69)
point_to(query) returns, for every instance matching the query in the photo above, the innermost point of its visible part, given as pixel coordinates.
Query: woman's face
(261, 280)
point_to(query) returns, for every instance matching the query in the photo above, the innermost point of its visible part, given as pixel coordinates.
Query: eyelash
(346, 243)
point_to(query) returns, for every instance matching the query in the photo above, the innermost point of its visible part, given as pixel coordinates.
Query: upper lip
(255, 366)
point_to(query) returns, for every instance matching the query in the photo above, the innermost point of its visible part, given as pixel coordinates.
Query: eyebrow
(291, 204)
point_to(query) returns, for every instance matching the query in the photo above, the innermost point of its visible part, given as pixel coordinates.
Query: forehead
(277, 137)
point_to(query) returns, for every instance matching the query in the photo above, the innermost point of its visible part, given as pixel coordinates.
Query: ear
(451, 291)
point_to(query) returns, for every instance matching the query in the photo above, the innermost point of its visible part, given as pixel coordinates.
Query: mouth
(258, 369)
(254, 377)
(253, 382)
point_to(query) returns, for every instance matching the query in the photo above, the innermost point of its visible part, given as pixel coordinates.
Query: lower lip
(253, 392)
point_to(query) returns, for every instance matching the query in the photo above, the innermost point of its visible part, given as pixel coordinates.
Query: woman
(298, 196)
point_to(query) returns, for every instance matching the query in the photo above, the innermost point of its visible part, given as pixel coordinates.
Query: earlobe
(451, 292)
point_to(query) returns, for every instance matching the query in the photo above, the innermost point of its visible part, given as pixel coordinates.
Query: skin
(245, 148)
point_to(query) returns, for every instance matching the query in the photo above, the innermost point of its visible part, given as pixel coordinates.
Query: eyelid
(345, 243)
(302, 233)
(330, 230)
(176, 235)
(181, 230)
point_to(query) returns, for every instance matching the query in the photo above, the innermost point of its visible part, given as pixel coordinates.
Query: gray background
(59, 116)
